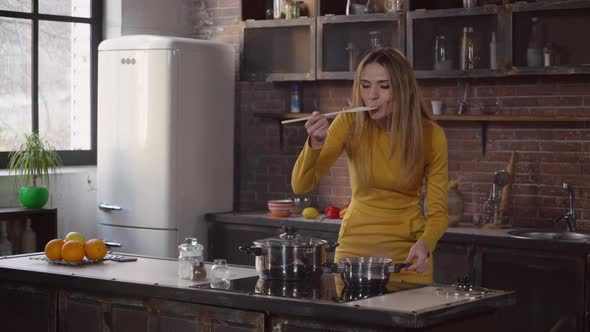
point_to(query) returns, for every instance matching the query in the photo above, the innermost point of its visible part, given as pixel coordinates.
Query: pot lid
(290, 238)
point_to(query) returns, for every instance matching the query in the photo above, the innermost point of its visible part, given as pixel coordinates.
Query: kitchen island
(147, 295)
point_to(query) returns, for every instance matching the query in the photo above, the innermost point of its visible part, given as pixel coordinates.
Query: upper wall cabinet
(343, 41)
(457, 42)
(278, 50)
(550, 38)
(442, 38)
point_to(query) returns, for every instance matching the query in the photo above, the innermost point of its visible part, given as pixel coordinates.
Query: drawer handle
(109, 207)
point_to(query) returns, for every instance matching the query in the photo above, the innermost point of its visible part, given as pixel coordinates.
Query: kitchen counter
(157, 278)
(464, 233)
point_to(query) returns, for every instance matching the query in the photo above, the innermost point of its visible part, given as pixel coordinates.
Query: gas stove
(327, 288)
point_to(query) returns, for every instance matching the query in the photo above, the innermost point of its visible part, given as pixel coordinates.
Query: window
(48, 73)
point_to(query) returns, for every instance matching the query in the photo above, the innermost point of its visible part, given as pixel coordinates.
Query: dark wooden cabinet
(549, 288)
(43, 223)
(452, 260)
(18, 301)
(89, 312)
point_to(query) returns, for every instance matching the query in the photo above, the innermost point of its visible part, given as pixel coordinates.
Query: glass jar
(375, 39)
(219, 270)
(190, 260)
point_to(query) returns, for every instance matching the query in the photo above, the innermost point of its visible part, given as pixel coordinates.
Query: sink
(550, 235)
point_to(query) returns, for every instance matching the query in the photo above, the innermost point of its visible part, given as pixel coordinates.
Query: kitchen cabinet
(509, 20)
(549, 287)
(19, 301)
(43, 223)
(550, 279)
(343, 40)
(80, 311)
(278, 50)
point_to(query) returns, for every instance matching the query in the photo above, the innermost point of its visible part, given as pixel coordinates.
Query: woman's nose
(374, 93)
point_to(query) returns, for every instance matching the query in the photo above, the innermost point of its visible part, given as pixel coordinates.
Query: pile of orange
(73, 251)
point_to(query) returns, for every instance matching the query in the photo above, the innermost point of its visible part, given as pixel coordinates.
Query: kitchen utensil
(350, 110)
(506, 190)
(368, 271)
(291, 256)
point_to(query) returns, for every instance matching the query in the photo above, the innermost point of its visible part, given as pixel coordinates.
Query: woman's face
(376, 90)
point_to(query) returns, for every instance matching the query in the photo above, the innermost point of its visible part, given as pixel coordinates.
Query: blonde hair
(405, 114)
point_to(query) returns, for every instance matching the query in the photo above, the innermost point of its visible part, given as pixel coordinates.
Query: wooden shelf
(511, 118)
(472, 118)
(482, 119)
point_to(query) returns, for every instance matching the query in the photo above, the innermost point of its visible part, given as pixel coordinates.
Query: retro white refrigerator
(165, 140)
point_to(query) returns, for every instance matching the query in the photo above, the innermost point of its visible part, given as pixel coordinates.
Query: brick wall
(546, 154)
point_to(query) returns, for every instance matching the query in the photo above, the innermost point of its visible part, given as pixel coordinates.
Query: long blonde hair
(405, 114)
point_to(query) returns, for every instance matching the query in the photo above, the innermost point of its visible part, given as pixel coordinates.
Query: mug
(437, 107)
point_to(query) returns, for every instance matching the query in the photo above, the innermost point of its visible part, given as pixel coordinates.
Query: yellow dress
(384, 218)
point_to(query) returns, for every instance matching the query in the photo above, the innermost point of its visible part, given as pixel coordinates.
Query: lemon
(310, 213)
(75, 236)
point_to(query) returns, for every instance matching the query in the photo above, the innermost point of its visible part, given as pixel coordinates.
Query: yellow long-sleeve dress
(384, 218)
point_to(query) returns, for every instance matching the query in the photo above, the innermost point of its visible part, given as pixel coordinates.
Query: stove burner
(328, 287)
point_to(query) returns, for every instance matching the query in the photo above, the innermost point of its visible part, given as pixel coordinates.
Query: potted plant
(32, 163)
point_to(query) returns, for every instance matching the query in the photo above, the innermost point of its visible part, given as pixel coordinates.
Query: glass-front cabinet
(300, 40)
(457, 42)
(550, 38)
(274, 50)
(344, 40)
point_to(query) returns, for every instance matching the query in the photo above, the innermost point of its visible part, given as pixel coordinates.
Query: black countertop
(464, 234)
(155, 277)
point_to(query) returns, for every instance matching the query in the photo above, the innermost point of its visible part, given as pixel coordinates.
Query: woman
(394, 151)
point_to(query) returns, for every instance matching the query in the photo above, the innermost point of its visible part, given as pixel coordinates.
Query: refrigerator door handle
(109, 207)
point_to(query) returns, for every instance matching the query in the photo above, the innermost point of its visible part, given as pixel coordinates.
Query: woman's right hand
(317, 129)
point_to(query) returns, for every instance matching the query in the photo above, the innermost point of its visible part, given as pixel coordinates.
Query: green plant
(34, 159)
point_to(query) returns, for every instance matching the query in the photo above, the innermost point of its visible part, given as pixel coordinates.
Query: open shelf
(482, 119)
(472, 118)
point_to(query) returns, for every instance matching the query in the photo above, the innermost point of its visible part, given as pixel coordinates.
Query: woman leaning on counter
(393, 152)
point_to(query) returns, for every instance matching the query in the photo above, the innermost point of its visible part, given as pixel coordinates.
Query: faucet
(570, 217)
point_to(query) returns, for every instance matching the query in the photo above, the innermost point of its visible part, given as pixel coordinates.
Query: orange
(95, 249)
(53, 249)
(72, 251)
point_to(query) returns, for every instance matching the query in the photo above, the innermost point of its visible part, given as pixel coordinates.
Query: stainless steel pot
(290, 256)
(367, 271)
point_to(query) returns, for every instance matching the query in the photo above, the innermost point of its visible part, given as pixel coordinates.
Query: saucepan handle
(332, 246)
(397, 267)
(251, 250)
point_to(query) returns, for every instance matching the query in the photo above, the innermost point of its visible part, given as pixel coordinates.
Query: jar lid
(290, 238)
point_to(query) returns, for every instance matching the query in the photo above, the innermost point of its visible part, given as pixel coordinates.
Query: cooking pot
(291, 256)
(368, 271)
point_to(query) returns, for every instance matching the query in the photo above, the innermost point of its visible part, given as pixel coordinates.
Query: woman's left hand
(421, 254)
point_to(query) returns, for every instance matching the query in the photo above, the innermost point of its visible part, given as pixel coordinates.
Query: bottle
(29, 239)
(5, 245)
(353, 56)
(468, 56)
(295, 100)
(534, 52)
(375, 39)
(279, 7)
(440, 53)
(493, 59)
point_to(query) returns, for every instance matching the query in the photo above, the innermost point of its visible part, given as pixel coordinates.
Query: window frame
(69, 157)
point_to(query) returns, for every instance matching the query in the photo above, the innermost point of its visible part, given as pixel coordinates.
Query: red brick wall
(547, 154)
